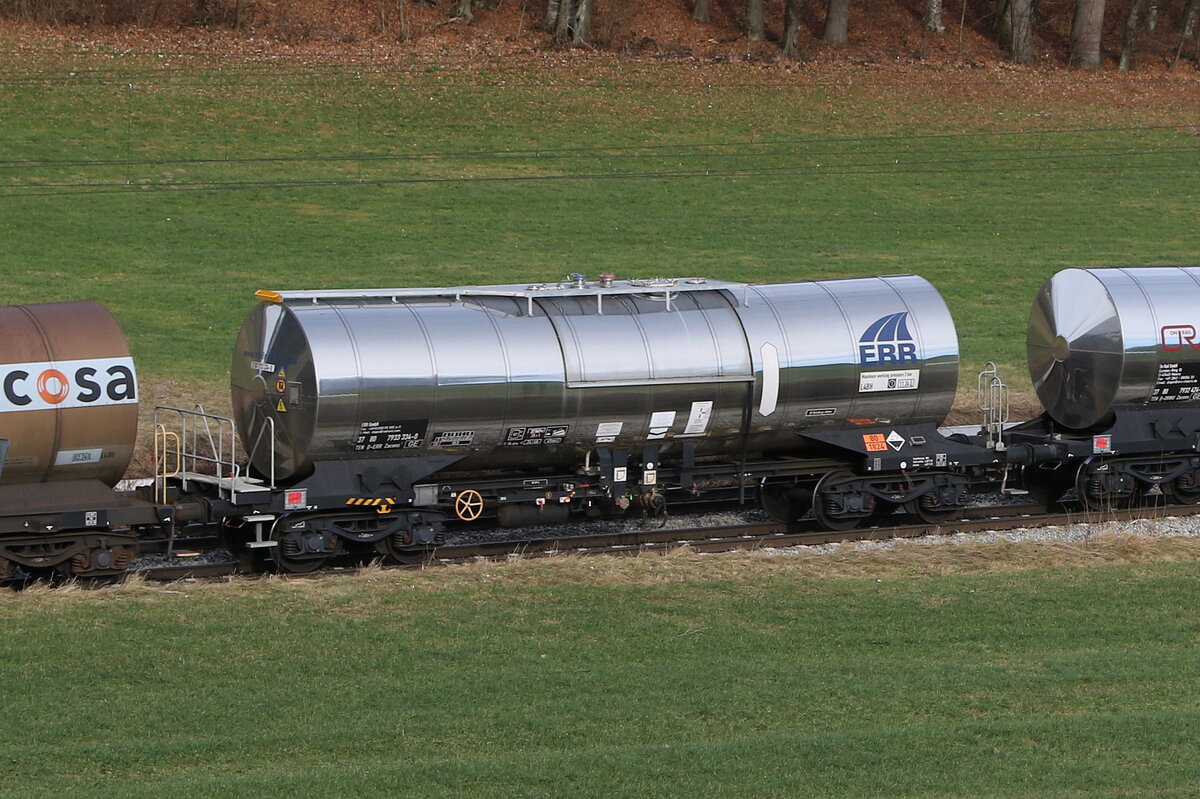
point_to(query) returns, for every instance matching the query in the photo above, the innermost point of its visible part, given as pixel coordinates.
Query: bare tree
(756, 30)
(1021, 43)
(1013, 23)
(931, 20)
(581, 23)
(1086, 27)
(569, 19)
(1131, 25)
(1190, 14)
(837, 23)
(791, 27)
(700, 11)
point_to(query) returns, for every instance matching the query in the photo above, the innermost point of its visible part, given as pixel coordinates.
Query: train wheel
(303, 551)
(837, 508)
(1095, 495)
(1047, 486)
(293, 565)
(785, 502)
(403, 554)
(468, 505)
(929, 509)
(100, 562)
(1186, 488)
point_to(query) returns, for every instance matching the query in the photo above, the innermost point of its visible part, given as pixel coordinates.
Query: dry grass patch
(374, 587)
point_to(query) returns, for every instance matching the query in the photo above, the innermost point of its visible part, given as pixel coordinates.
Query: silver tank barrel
(1102, 340)
(531, 376)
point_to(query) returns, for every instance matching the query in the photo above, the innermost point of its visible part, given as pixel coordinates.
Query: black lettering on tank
(90, 389)
(124, 386)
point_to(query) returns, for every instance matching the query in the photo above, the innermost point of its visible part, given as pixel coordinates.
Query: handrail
(205, 444)
(993, 401)
(162, 443)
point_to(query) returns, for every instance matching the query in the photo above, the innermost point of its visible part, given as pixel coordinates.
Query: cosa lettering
(119, 385)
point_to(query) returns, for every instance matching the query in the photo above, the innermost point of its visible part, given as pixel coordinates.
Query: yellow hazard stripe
(371, 501)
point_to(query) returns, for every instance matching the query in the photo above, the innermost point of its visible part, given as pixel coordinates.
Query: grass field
(906, 674)
(173, 187)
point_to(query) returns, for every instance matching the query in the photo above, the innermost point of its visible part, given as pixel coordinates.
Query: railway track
(775, 535)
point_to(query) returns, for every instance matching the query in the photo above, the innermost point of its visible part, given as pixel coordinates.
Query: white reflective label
(770, 380)
(660, 423)
(72, 457)
(889, 381)
(607, 432)
(698, 419)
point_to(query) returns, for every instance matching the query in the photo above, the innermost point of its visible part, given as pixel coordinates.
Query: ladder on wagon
(993, 401)
(199, 450)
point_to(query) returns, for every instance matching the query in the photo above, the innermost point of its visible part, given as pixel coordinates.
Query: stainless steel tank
(1101, 340)
(529, 376)
(68, 393)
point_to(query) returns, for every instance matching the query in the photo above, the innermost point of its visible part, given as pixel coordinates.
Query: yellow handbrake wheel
(468, 505)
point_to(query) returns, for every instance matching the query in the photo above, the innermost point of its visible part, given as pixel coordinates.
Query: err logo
(887, 340)
(67, 384)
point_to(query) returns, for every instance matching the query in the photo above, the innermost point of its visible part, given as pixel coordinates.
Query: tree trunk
(1086, 27)
(932, 18)
(462, 10)
(1020, 31)
(569, 19)
(791, 27)
(1190, 14)
(755, 29)
(837, 23)
(401, 21)
(1002, 22)
(1152, 16)
(562, 25)
(1131, 24)
(581, 25)
(700, 11)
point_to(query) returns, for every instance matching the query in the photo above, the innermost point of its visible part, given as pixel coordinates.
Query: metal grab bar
(163, 439)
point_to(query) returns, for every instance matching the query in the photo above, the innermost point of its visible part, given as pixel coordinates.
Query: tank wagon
(68, 424)
(1114, 355)
(370, 418)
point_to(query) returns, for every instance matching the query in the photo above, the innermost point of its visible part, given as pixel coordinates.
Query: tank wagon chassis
(384, 508)
(81, 528)
(1144, 456)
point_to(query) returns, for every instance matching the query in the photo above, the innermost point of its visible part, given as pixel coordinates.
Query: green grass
(651, 679)
(643, 678)
(425, 174)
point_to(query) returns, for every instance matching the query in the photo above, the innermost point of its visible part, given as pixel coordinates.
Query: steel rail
(773, 535)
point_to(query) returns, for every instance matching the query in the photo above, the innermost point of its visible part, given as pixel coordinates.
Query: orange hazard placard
(875, 442)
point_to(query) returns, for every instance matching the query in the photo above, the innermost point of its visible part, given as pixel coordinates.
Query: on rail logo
(1176, 337)
(887, 340)
(67, 384)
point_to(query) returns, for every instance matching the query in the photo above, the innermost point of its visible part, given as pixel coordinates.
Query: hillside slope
(881, 31)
